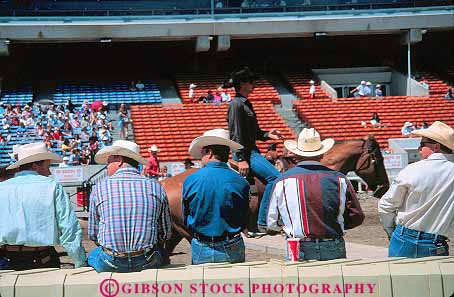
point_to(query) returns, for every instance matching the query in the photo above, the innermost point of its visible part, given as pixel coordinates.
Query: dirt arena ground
(369, 233)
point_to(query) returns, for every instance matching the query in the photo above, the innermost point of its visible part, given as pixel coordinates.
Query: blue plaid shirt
(128, 212)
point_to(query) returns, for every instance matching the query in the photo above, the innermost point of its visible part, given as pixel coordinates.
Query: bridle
(371, 159)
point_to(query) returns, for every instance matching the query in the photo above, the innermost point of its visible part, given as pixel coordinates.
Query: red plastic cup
(293, 249)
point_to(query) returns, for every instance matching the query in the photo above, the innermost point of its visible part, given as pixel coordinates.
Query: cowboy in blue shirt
(215, 201)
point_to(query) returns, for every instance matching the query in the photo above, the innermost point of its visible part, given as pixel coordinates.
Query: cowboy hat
(192, 86)
(212, 137)
(440, 132)
(309, 144)
(312, 82)
(153, 148)
(34, 152)
(408, 124)
(123, 148)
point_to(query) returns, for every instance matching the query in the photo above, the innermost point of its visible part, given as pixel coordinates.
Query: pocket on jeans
(400, 248)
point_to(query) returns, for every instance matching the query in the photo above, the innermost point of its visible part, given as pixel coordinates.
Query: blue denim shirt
(35, 211)
(215, 200)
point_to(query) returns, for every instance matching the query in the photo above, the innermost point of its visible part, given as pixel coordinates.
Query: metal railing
(209, 11)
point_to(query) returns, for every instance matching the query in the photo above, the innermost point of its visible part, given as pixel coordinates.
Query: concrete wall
(416, 89)
(398, 84)
(328, 89)
(353, 76)
(422, 277)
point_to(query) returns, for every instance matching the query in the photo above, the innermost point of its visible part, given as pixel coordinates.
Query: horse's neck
(345, 156)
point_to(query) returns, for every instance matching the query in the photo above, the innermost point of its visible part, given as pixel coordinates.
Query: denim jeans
(414, 244)
(103, 262)
(265, 171)
(232, 251)
(322, 250)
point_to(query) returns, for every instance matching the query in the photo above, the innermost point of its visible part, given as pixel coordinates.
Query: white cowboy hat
(123, 148)
(312, 82)
(192, 86)
(309, 144)
(153, 148)
(377, 86)
(440, 132)
(408, 124)
(212, 137)
(363, 82)
(34, 152)
(368, 83)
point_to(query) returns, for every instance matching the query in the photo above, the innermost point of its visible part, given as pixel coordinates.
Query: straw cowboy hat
(34, 152)
(440, 132)
(309, 144)
(153, 148)
(123, 148)
(212, 137)
(408, 124)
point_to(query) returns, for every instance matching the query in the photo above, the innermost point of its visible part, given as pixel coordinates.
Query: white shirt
(422, 197)
(191, 93)
(226, 97)
(312, 90)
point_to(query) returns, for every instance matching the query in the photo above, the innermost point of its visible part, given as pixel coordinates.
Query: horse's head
(370, 167)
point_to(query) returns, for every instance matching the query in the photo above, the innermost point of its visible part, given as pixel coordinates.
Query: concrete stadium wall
(433, 276)
(398, 84)
(353, 76)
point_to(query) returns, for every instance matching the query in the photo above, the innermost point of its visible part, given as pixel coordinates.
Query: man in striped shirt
(129, 214)
(313, 202)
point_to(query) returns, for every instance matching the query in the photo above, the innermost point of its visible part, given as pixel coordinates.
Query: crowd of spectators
(77, 133)
(364, 89)
(217, 97)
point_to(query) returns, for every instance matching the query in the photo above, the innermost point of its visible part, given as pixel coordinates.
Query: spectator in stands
(57, 135)
(47, 218)
(407, 128)
(121, 204)
(416, 210)
(215, 201)
(378, 91)
(210, 97)
(191, 93)
(188, 164)
(14, 121)
(132, 86)
(75, 158)
(21, 131)
(225, 96)
(424, 83)
(69, 106)
(330, 206)
(67, 129)
(375, 121)
(123, 121)
(2, 140)
(282, 3)
(368, 89)
(84, 158)
(450, 94)
(244, 129)
(84, 136)
(152, 168)
(140, 86)
(359, 90)
(164, 173)
(74, 120)
(93, 148)
(312, 89)
(85, 122)
(66, 146)
(65, 163)
(217, 96)
(6, 122)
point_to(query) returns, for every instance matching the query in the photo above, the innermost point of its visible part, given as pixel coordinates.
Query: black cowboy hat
(188, 161)
(243, 74)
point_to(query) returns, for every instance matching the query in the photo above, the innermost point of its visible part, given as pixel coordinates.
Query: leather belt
(224, 237)
(22, 248)
(113, 253)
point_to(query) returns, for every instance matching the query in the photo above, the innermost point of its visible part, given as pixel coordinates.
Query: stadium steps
(169, 91)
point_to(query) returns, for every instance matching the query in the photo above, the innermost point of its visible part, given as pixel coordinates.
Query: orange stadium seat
(172, 127)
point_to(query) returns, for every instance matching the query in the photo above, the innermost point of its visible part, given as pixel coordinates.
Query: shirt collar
(309, 163)
(440, 156)
(214, 164)
(126, 170)
(25, 172)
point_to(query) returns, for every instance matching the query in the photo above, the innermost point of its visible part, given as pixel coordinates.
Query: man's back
(130, 211)
(216, 200)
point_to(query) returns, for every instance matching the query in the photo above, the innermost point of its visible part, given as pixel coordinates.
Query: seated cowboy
(312, 202)
(129, 214)
(39, 214)
(215, 201)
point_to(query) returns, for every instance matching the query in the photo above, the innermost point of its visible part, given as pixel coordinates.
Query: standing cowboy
(152, 169)
(129, 214)
(39, 214)
(314, 203)
(215, 201)
(417, 210)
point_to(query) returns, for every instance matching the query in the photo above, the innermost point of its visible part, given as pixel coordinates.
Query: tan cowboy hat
(34, 152)
(440, 132)
(212, 137)
(123, 148)
(309, 144)
(153, 148)
(192, 86)
(408, 124)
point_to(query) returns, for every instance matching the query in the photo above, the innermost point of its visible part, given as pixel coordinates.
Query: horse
(362, 156)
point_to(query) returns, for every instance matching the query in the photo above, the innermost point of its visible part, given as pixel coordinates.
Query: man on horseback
(314, 203)
(215, 201)
(245, 130)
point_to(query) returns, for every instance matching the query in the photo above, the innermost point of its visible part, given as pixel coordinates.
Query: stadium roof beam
(91, 29)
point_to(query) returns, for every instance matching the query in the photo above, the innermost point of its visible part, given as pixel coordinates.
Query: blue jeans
(232, 251)
(414, 244)
(102, 262)
(321, 250)
(265, 171)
